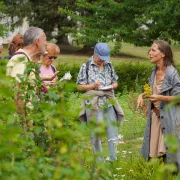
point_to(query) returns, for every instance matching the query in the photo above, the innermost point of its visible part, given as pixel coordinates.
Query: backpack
(20, 53)
(53, 68)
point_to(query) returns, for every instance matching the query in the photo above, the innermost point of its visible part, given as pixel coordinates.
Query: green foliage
(132, 76)
(54, 145)
(137, 22)
(43, 14)
(162, 21)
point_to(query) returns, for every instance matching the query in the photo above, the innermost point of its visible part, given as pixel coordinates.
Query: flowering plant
(67, 76)
(148, 90)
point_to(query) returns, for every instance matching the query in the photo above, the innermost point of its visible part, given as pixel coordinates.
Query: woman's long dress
(157, 147)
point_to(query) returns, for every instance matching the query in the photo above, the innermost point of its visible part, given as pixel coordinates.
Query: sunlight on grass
(128, 53)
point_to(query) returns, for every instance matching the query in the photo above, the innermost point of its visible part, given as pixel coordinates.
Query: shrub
(132, 76)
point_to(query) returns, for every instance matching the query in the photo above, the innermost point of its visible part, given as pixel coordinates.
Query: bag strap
(21, 53)
(87, 69)
(53, 68)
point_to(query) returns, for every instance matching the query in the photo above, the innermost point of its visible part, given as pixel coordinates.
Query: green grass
(128, 53)
(130, 164)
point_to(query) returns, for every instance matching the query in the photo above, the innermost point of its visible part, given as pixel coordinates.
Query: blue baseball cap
(102, 50)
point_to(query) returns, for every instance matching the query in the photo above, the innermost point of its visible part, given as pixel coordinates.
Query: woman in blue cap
(98, 79)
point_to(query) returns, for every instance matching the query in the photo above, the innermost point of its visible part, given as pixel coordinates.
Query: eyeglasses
(52, 57)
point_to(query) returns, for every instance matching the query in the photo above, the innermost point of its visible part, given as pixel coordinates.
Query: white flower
(123, 175)
(67, 76)
(121, 142)
(108, 159)
(120, 136)
(140, 138)
(117, 151)
(130, 152)
(124, 152)
(114, 175)
(130, 170)
(118, 169)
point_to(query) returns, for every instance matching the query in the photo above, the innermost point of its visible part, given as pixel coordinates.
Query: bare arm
(87, 87)
(156, 97)
(49, 77)
(114, 85)
(140, 100)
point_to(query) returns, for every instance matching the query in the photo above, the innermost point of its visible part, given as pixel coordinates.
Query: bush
(132, 76)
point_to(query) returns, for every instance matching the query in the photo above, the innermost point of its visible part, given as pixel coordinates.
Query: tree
(162, 19)
(43, 14)
(91, 21)
(3, 29)
(137, 22)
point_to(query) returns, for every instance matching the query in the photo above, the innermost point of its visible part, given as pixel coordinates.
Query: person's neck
(30, 50)
(161, 67)
(45, 66)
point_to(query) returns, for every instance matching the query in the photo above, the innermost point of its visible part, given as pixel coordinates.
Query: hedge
(132, 76)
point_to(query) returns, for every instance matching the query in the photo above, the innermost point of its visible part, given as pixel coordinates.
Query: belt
(156, 111)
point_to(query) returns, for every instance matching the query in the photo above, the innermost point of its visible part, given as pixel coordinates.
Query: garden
(53, 144)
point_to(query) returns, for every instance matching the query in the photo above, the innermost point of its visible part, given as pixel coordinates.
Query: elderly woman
(16, 44)
(165, 84)
(47, 69)
(98, 79)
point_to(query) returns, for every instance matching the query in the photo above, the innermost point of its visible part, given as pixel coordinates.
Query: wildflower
(123, 175)
(124, 152)
(114, 175)
(118, 169)
(141, 138)
(67, 76)
(108, 159)
(121, 142)
(120, 136)
(130, 170)
(130, 152)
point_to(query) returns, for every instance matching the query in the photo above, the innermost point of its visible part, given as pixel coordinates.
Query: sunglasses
(52, 57)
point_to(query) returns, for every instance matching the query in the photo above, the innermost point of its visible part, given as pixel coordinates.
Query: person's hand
(140, 101)
(155, 97)
(97, 84)
(54, 75)
(49, 77)
(52, 83)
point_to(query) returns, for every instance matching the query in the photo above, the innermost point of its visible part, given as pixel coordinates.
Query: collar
(91, 59)
(22, 50)
(167, 82)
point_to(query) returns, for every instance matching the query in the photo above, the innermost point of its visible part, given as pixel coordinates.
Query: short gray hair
(31, 34)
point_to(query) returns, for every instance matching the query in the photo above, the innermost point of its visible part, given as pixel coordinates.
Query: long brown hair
(166, 49)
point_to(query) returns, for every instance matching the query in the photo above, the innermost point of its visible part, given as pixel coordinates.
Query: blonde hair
(53, 48)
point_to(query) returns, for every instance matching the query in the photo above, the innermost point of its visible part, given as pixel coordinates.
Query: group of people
(98, 79)
(32, 46)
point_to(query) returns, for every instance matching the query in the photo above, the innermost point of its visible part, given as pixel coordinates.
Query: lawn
(128, 53)
(73, 156)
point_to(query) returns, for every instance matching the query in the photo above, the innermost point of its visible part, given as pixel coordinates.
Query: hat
(102, 50)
